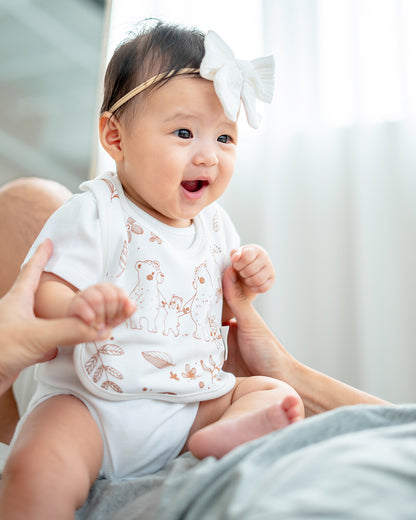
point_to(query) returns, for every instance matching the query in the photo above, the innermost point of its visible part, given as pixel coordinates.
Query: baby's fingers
(243, 257)
(112, 297)
(80, 308)
(261, 281)
(120, 308)
(254, 268)
(248, 261)
(115, 307)
(92, 304)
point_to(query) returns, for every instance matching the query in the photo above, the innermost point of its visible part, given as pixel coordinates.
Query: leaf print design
(114, 372)
(214, 371)
(112, 188)
(111, 349)
(216, 222)
(132, 227)
(91, 363)
(96, 368)
(123, 258)
(158, 359)
(155, 238)
(98, 374)
(110, 384)
(174, 376)
(215, 249)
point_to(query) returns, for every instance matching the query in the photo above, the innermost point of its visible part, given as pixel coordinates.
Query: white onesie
(170, 349)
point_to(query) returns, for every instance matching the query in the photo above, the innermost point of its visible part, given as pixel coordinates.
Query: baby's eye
(225, 139)
(183, 133)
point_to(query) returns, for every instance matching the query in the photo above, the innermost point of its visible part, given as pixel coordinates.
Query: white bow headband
(234, 80)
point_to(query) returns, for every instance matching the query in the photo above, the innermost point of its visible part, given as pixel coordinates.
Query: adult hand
(252, 347)
(26, 339)
(254, 350)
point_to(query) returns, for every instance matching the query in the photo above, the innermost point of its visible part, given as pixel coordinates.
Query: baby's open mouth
(194, 185)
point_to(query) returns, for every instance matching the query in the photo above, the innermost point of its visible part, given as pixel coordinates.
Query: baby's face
(179, 152)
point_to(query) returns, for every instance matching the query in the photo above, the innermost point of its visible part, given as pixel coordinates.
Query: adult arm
(254, 350)
(25, 205)
(24, 338)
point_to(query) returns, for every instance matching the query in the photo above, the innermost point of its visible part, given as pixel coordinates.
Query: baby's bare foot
(221, 437)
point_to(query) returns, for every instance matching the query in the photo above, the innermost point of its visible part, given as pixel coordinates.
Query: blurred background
(327, 185)
(50, 52)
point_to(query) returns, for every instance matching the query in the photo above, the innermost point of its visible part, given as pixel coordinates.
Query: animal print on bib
(171, 347)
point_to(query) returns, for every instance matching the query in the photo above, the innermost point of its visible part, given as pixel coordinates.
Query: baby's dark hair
(157, 47)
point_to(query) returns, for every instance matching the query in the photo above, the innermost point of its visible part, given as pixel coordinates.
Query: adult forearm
(255, 350)
(321, 393)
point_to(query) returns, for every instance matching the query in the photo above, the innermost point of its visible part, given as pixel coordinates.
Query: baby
(140, 255)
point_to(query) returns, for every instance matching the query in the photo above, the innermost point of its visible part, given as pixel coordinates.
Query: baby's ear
(110, 135)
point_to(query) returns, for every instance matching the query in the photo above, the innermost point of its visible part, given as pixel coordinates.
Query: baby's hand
(103, 306)
(254, 268)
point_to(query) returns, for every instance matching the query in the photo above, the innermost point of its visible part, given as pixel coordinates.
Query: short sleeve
(232, 236)
(77, 243)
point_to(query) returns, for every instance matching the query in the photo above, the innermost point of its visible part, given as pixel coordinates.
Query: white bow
(236, 80)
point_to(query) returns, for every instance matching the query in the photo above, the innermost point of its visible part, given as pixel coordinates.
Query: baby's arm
(255, 270)
(103, 306)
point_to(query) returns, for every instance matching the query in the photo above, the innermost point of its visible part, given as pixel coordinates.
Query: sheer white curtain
(328, 184)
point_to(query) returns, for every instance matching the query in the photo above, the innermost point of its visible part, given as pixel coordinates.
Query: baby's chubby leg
(255, 407)
(54, 461)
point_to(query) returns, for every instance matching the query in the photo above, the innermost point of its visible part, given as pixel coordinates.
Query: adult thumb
(248, 319)
(235, 295)
(65, 331)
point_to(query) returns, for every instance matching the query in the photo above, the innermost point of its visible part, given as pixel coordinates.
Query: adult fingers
(235, 295)
(248, 319)
(47, 334)
(28, 279)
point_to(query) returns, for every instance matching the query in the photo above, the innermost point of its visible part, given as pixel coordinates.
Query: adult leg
(25, 205)
(54, 461)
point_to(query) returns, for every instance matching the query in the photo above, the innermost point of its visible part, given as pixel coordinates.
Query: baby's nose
(205, 155)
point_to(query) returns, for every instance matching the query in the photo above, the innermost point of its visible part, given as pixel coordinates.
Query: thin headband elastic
(146, 84)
